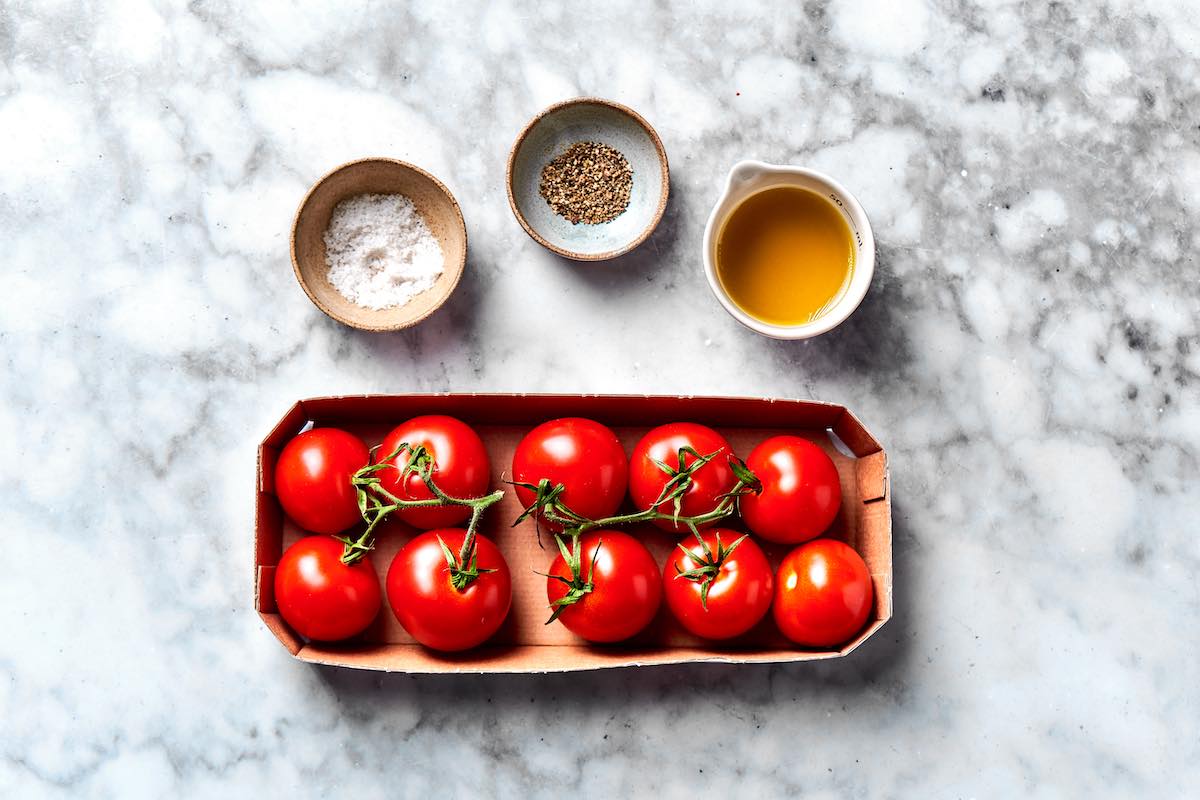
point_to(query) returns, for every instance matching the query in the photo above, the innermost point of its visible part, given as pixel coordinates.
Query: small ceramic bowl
(433, 202)
(581, 120)
(751, 177)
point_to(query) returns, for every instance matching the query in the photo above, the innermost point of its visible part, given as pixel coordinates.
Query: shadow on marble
(445, 335)
(871, 341)
(631, 270)
(882, 666)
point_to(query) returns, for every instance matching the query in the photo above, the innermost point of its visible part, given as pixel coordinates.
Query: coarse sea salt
(379, 250)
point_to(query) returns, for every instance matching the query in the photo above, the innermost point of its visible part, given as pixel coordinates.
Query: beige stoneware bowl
(377, 176)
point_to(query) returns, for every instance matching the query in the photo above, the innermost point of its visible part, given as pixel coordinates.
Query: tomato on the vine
(801, 493)
(312, 479)
(612, 586)
(321, 597)
(461, 468)
(823, 594)
(440, 615)
(706, 482)
(721, 588)
(582, 455)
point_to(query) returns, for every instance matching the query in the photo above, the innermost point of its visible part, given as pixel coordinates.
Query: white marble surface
(1029, 353)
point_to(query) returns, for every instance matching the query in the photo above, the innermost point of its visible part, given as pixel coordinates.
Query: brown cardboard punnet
(524, 643)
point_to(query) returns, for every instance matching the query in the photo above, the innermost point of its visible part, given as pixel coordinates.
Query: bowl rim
(458, 267)
(665, 175)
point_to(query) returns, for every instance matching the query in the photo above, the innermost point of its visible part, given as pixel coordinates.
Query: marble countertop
(1029, 353)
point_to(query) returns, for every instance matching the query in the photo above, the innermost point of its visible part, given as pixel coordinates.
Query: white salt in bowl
(433, 202)
(588, 119)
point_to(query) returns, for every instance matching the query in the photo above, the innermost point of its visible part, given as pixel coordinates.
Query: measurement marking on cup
(857, 236)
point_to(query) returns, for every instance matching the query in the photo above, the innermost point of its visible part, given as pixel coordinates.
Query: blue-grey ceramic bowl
(595, 120)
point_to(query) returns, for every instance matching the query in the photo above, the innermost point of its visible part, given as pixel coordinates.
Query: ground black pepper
(587, 183)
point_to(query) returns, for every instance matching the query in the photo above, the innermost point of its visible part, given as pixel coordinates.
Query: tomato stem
(547, 504)
(371, 497)
(463, 566)
(709, 564)
(577, 586)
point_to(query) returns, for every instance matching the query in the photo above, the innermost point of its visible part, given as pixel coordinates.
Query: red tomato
(431, 609)
(626, 587)
(461, 468)
(312, 479)
(801, 493)
(319, 596)
(647, 480)
(584, 456)
(823, 594)
(739, 590)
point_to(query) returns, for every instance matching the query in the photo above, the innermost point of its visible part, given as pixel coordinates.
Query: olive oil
(785, 255)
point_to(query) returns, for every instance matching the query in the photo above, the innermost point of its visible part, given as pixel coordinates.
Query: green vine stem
(463, 565)
(548, 505)
(709, 564)
(376, 503)
(577, 586)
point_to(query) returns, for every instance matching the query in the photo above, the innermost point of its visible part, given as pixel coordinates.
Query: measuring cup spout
(744, 172)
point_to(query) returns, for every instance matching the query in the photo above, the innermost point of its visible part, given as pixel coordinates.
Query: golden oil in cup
(785, 255)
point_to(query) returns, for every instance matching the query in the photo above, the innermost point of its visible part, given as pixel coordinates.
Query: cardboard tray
(524, 643)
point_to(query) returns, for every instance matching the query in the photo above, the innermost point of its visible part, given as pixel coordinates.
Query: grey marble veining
(1029, 353)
